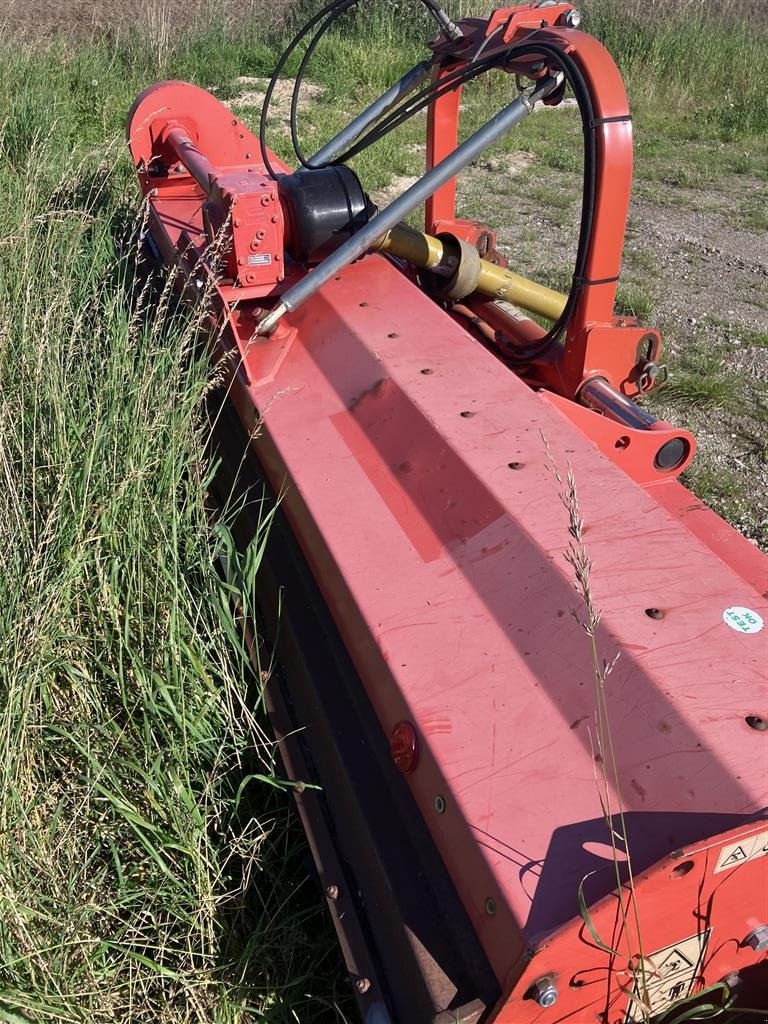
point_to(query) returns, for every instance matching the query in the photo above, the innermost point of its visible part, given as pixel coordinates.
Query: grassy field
(151, 868)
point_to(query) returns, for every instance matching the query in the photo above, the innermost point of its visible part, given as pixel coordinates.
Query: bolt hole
(363, 304)
(490, 907)
(467, 414)
(757, 722)
(654, 613)
(426, 371)
(394, 334)
(514, 465)
(439, 804)
(681, 870)
(622, 443)
(337, 278)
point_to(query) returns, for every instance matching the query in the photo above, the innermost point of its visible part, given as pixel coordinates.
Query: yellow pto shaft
(496, 282)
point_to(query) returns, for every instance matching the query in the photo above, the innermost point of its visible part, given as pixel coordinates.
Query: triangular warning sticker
(735, 857)
(674, 961)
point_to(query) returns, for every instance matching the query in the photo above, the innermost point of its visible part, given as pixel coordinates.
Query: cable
(331, 12)
(415, 103)
(307, 28)
(341, 8)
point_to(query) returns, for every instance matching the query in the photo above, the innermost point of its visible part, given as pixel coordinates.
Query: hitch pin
(397, 210)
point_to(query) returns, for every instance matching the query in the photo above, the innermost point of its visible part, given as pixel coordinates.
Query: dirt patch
(707, 267)
(511, 164)
(253, 91)
(384, 196)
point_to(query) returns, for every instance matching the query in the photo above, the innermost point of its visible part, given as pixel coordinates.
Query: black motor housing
(323, 207)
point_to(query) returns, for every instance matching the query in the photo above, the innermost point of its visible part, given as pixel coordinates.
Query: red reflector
(404, 747)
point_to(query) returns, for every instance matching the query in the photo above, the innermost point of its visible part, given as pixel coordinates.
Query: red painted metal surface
(444, 570)
(416, 478)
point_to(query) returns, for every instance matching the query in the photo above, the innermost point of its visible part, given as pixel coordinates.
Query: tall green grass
(149, 867)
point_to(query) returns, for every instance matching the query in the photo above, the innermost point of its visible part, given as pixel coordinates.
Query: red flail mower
(515, 818)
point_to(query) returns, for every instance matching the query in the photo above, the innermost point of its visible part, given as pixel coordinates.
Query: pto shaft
(496, 282)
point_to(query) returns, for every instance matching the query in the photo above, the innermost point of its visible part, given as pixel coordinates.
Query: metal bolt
(544, 991)
(265, 200)
(439, 804)
(248, 156)
(332, 892)
(260, 233)
(490, 907)
(757, 938)
(237, 222)
(572, 19)
(241, 261)
(362, 985)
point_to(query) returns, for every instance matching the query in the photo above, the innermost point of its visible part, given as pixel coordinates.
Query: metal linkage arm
(410, 80)
(511, 115)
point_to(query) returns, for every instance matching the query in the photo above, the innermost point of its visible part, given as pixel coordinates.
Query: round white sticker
(743, 620)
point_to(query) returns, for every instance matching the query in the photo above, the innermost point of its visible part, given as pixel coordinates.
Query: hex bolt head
(362, 985)
(544, 991)
(332, 892)
(757, 939)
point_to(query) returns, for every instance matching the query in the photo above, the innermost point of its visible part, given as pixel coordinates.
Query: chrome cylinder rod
(409, 200)
(598, 394)
(344, 139)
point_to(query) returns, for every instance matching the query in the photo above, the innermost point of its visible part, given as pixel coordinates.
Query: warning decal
(751, 848)
(668, 975)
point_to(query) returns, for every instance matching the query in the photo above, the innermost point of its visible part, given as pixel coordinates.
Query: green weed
(691, 389)
(634, 300)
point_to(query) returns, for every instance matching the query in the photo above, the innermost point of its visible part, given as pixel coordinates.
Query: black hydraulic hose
(305, 30)
(412, 105)
(341, 8)
(331, 12)
(583, 97)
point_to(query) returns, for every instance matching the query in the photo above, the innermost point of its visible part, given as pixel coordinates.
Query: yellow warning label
(751, 848)
(667, 976)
